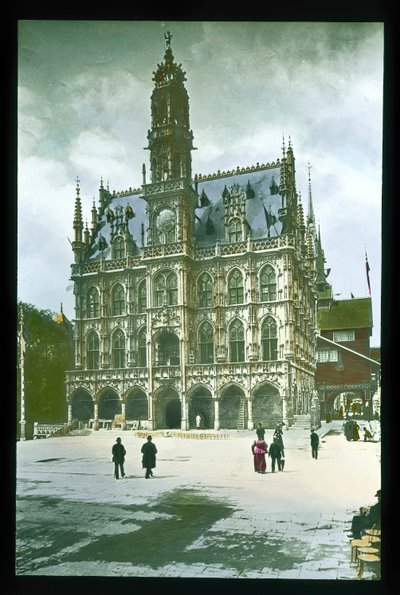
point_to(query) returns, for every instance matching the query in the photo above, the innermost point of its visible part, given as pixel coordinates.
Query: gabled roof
(346, 314)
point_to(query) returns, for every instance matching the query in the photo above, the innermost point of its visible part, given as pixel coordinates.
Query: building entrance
(173, 414)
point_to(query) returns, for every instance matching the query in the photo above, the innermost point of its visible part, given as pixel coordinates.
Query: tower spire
(170, 138)
(310, 214)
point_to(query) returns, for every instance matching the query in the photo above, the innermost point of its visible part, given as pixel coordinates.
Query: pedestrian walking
(118, 457)
(278, 434)
(275, 452)
(260, 432)
(314, 443)
(149, 452)
(198, 421)
(259, 449)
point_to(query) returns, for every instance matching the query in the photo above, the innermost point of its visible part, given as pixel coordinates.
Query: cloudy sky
(84, 92)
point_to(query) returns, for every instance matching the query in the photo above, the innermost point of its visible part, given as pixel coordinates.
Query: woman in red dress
(259, 449)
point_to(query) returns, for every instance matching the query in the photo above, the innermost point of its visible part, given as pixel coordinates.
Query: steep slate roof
(346, 314)
(260, 182)
(260, 179)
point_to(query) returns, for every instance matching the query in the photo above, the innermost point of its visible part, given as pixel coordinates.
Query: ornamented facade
(194, 294)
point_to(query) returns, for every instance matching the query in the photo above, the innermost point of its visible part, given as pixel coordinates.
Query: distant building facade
(348, 368)
(194, 294)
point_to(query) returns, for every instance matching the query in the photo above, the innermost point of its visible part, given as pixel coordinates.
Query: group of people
(351, 430)
(276, 450)
(148, 450)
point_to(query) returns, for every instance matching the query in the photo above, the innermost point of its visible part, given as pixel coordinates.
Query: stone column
(216, 415)
(250, 423)
(96, 416)
(69, 413)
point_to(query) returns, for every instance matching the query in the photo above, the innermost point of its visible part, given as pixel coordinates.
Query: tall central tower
(170, 197)
(170, 138)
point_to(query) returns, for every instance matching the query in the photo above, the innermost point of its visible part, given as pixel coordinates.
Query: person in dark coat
(118, 457)
(149, 452)
(275, 452)
(260, 432)
(356, 435)
(278, 434)
(314, 438)
(369, 517)
(348, 429)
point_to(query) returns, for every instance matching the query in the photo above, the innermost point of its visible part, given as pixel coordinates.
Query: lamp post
(22, 375)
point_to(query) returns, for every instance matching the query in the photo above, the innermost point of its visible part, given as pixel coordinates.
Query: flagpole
(22, 376)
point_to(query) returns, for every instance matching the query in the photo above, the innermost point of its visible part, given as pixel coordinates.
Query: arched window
(235, 230)
(235, 287)
(118, 247)
(118, 300)
(267, 284)
(269, 340)
(172, 289)
(206, 343)
(118, 349)
(167, 349)
(142, 299)
(236, 341)
(165, 226)
(205, 291)
(142, 352)
(92, 351)
(93, 303)
(165, 289)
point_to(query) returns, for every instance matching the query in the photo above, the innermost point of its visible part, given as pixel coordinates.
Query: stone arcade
(194, 294)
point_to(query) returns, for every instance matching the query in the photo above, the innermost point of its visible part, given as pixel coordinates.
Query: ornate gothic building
(194, 294)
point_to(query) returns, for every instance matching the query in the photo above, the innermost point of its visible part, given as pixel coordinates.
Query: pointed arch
(205, 290)
(142, 347)
(236, 341)
(92, 302)
(235, 233)
(92, 351)
(235, 287)
(118, 247)
(142, 296)
(118, 349)
(118, 300)
(269, 339)
(267, 284)
(165, 288)
(206, 342)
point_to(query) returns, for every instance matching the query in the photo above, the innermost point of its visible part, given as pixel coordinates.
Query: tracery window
(142, 298)
(92, 351)
(236, 341)
(269, 339)
(118, 349)
(118, 300)
(205, 291)
(166, 289)
(235, 287)
(118, 247)
(206, 343)
(268, 284)
(235, 230)
(93, 303)
(142, 352)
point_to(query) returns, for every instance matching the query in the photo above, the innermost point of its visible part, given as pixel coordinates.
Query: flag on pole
(367, 269)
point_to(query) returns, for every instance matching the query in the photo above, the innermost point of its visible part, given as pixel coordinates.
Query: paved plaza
(205, 514)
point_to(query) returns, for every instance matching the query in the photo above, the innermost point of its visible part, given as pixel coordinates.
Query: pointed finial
(77, 186)
(290, 143)
(283, 144)
(167, 37)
